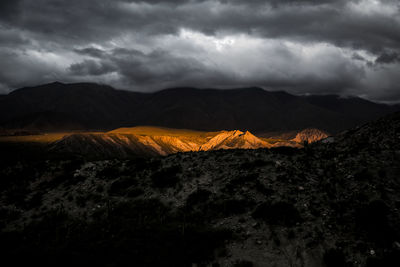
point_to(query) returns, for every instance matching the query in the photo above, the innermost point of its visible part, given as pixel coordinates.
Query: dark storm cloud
(137, 68)
(9, 9)
(387, 58)
(12, 38)
(166, 69)
(91, 51)
(91, 67)
(141, 45)
(90, 20)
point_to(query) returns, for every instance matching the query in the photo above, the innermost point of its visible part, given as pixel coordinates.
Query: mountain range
(87, 106)
(155, 141)
(333, 203)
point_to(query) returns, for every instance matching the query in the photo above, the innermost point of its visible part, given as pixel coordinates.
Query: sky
(345, 47)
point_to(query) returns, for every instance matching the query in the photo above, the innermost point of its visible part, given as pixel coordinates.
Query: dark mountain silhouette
(94, 106)
(47, 120)
(90, 105)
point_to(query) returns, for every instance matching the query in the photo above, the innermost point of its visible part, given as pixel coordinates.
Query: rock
(310, 136)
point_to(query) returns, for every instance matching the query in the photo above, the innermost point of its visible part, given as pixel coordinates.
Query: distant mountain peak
(56, 83)
(234, 139)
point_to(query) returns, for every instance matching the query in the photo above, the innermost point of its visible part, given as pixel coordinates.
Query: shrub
(372, 218)
(288, 151)
(140, 164)
(99, 188)
(73, 179)
(81, 200)
(279, 213)
(389, 259)
(238, 182)
(364, 175)
(250, 165)
(334, 258)
(16, 194)
(7, 215)
(134, 192)
(34, 201)
(124, 234)
(120, 186)
(243, 263)
(166, 177)
(230, 207)
(109, 172)
(198, 197)
(71, 166)
(260, 187)
(200, 205)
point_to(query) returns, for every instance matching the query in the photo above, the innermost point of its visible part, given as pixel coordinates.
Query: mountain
(333, 203)
(46, 120)
(310, 136)
(154, 141)
(122, 145)
(346, 105)
(100, 107)
(233, 140)
(92, 106)
(379, 135)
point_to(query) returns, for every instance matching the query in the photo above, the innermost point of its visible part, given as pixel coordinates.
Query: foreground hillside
(333, 203)
(86, 106)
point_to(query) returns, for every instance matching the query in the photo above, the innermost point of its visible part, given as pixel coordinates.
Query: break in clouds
(301, 46)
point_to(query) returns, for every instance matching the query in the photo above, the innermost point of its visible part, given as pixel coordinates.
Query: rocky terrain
(332, 203)
(234, 140)
(310, 136)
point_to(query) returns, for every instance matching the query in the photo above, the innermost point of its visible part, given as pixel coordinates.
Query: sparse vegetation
(243, 263)
(334, 258)
(251, 165)
(167, 177)
(279, 213)
(121, 185)
(329, 204)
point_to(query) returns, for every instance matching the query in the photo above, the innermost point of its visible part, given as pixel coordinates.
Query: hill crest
(101, 107)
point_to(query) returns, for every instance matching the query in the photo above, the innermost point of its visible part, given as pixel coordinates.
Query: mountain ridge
(153, 141)
(101, 107)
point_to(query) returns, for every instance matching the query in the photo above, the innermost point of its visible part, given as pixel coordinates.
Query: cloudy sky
(347, 47)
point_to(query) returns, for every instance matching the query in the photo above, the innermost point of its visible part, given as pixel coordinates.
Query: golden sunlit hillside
(159, 140)
(139, 130)
(152, 130)
(35, 138)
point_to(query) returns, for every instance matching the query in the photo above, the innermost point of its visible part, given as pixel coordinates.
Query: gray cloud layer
(302, 46)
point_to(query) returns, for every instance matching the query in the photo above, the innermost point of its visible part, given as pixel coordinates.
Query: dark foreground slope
(59, 106)
(334, 203)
